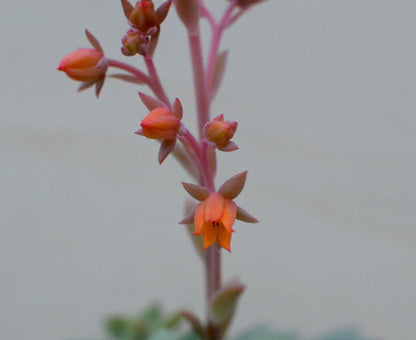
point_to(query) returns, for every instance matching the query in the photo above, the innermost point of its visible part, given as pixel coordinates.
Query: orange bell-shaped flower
(214, 217)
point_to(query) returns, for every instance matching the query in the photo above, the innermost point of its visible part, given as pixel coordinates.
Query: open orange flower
(214, 217)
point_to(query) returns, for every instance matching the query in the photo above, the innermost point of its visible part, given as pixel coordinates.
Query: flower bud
(220, 132)
(133, 42)
(143, 17)
(160, 123)
(188, 12)
(84, 64)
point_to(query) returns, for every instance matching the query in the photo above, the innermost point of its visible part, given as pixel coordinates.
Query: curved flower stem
(218, 30)
(126, 67)
(155, 83)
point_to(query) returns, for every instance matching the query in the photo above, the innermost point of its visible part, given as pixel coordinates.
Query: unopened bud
(85, 64)
(143, 16)
(133, 42)
(220, 133)
(160, 123)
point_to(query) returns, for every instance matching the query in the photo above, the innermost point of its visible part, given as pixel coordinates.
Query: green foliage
(264, 333)
(151, 324)
(154, 324)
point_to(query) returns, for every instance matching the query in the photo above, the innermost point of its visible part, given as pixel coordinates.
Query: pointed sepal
(244, 216)
(150, 102)
(196, 191)
(98, 86)
(230, 146)
(93, 41)
(166, 148)
(127, 8)
(86, 85)
(162, 11)
(233, 186)
(177, 109)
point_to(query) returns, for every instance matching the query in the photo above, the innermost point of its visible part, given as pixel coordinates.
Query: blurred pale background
(324, 93)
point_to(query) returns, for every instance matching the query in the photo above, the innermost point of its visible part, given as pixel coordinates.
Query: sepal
(166, 148)
(150, 102)
(196, 191)
(94, 41)
(244, 216)
(233, 186)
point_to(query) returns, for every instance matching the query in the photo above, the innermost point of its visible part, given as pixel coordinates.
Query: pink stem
(218, 31)
(199, 79)
(126, 67)
(155, 83)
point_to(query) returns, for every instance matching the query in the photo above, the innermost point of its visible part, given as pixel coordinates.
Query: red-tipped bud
(85, 64)
(160, 123)
(134, 42)
(220, 132)
(143, 17)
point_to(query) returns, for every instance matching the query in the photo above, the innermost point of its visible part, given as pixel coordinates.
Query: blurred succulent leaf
(223, 304)
(163, 334)
(264, 333)
(190, 336)
(195, 323)
(343, 334)
(117, 326)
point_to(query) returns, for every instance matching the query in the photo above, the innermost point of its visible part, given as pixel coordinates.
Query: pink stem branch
(155, 83)
(126, 67)
(218, 31)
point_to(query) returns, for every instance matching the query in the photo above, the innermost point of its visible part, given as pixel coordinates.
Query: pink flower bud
(133, 42)
(220, 132)
(160, 123)
(84, 65)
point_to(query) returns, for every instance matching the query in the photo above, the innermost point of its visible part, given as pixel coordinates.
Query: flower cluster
(212, 219)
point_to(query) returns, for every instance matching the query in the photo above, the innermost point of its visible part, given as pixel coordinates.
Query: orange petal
(229, 214)
(199, 218)
(209, 234)
(214, 207)
(224, 238)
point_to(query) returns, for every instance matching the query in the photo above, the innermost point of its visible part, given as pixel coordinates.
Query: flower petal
(214, 207)
(229, 214)
(224, 238)
(209, 234)
(199, 218)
